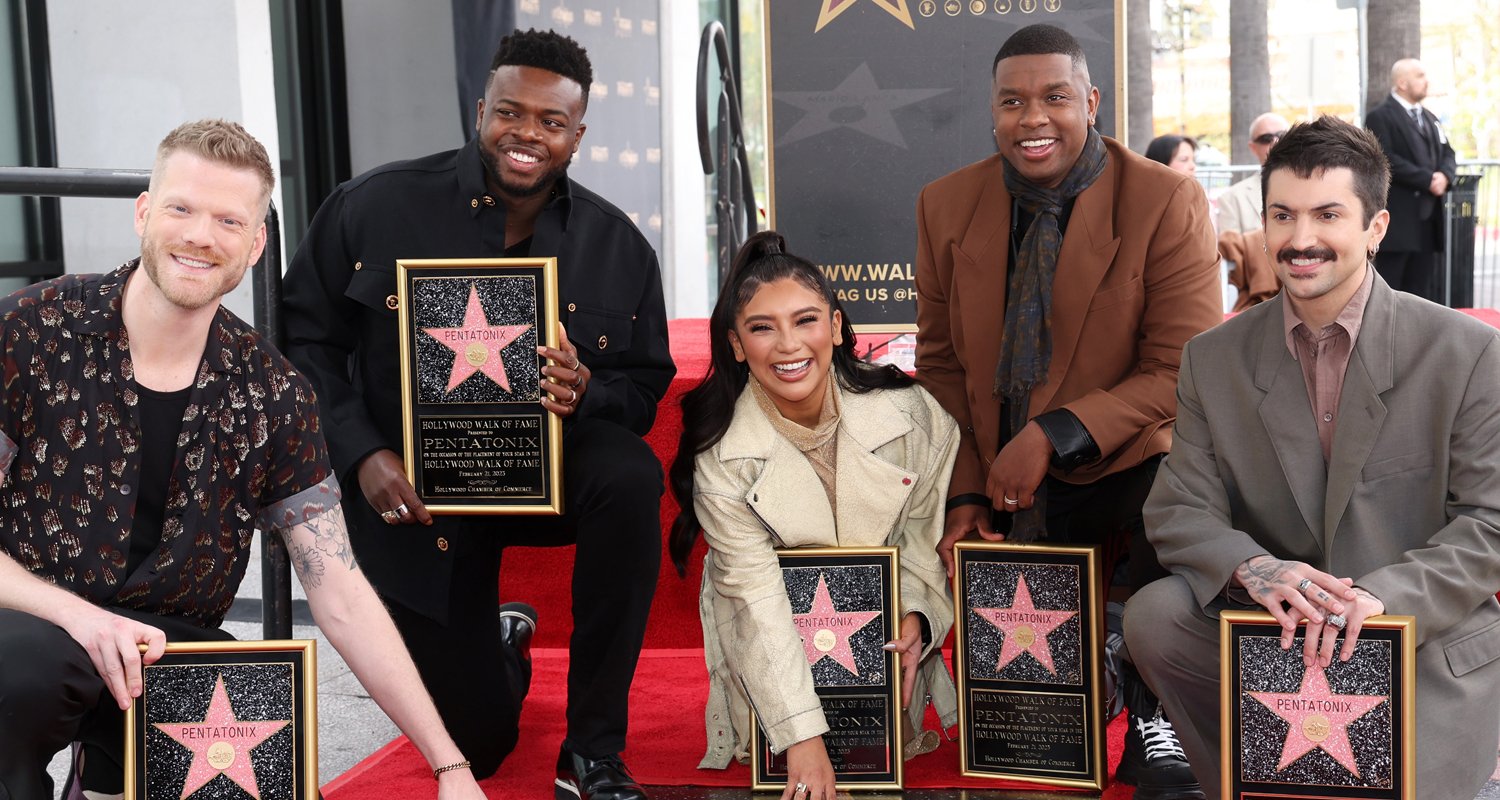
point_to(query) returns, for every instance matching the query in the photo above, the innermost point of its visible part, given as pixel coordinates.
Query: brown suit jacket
(1253, 274)
(1138, 275)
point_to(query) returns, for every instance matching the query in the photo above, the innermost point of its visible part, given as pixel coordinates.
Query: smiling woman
(787, 397)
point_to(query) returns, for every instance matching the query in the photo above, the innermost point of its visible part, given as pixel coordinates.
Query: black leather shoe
(606, 778)
(517, 624)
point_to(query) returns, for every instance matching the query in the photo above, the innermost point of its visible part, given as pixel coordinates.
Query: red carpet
(666, 735)
(670, 687)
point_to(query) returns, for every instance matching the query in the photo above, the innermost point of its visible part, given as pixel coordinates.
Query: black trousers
(1408, 271)
(1101, 513)
(51, 696)
(612, 486)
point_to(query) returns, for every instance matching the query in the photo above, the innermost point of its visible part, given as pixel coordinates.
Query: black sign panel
(873, 99)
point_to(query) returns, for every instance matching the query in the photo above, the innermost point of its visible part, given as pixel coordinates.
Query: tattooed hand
(1319, 642)
(1277, 585)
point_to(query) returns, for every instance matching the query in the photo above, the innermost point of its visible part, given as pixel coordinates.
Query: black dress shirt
(341, 322)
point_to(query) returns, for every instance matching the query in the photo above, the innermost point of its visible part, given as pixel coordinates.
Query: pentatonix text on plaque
(1341, 731)
(225, 720)
(477, 439)
(1028, 637)
(844, 606)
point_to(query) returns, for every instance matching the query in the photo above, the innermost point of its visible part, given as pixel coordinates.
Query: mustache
(1286, 254)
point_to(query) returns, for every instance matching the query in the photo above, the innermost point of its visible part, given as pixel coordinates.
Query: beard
(519, 190)
(187, 295)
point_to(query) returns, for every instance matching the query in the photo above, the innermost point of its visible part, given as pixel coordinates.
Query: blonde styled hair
(222, 142)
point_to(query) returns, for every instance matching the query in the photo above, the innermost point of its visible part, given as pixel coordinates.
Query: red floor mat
(666, 741)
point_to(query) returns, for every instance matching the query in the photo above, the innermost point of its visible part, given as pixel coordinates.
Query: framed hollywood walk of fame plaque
(1026, 654)
(845, 603)
(225, 720)
(477, 439)
(1347, 730)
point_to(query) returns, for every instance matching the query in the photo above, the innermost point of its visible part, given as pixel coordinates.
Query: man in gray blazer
(1336, 456)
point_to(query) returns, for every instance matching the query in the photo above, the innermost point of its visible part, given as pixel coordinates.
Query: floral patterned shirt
(250, 453)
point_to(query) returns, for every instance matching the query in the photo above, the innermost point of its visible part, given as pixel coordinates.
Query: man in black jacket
(504, 194)
(1422, 168)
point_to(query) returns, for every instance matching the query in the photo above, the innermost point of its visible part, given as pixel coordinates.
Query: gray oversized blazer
(1408, 506)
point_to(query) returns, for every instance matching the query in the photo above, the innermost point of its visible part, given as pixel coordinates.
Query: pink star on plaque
(476, 346)
(1318, 718)
(825, 630)
(221, 743)
(1025, 627)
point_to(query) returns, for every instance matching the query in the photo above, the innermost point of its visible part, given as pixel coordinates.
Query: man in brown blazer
(1056, 284)
(1337, 456)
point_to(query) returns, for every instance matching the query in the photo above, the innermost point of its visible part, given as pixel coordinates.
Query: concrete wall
(123, 74)
(399, 66)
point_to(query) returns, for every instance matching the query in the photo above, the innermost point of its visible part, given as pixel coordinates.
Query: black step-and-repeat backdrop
(873, 99)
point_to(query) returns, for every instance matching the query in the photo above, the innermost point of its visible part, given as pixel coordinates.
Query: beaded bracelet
(450, 768)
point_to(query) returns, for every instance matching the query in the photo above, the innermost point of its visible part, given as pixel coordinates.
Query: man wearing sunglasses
(1241, 240)
(1239, 205)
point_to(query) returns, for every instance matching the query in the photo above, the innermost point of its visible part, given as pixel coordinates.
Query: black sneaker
(1154, 763)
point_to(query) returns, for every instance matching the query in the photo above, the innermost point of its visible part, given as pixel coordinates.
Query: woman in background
(1178, 152)
(792, 441)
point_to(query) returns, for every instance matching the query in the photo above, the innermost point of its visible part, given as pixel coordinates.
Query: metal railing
(734, 201)
(265, 277)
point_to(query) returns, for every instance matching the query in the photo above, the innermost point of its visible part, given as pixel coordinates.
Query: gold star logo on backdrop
(832, 8)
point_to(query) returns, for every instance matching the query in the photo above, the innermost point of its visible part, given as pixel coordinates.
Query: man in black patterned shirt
(144, 433)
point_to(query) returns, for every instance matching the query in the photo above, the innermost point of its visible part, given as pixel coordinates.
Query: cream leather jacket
(754, 492)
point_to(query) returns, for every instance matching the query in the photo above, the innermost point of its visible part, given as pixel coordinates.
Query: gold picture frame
(1265, 687)
(475, 436)
(205, 706)
(873, 686)
(1029, 713)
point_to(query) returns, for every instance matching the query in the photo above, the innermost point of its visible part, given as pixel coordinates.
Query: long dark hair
(1164, 147)
(709, 407)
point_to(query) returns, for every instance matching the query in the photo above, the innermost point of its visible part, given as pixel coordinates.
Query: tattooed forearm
(308, 563)
(1261, 574)
(331, 536)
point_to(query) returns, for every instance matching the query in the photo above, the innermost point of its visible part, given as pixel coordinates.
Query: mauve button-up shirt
(1324, 356)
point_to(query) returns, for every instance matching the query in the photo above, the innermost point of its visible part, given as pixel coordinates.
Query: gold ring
(574, 398)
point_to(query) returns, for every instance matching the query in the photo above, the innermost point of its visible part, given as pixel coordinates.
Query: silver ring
(800, 788)
(390, 516)
(574, 398)
(1010, 502)
(402, 510)
(577, 381)
(1337, 621)
(1306, 582)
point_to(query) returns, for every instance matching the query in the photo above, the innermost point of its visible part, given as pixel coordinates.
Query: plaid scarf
(1026, 344)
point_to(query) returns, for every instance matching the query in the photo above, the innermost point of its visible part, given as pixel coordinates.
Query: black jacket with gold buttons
(341, 322)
